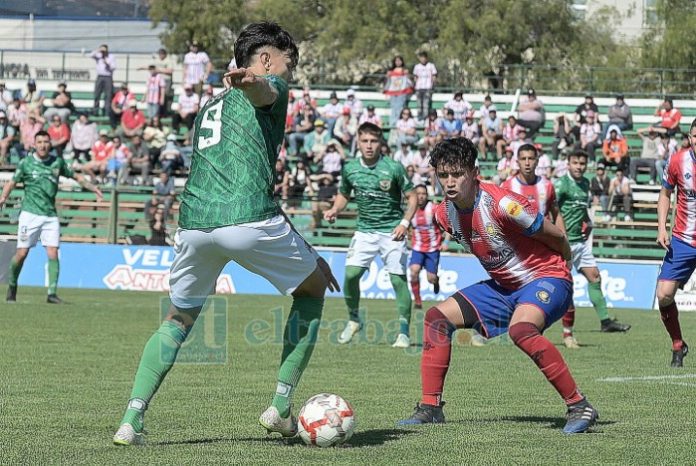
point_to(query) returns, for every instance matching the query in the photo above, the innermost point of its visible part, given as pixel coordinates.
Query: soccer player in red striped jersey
(538, 190)
(426, 241)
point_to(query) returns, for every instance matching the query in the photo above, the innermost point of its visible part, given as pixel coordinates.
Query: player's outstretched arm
(89, 186)
(257, 88)
(6, 190)
(555, 238)
(340, 203)
(663, 202)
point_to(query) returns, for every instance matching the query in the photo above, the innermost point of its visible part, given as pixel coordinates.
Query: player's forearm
(554, 238)
(6, 190)
(261, 93)
(340, 203)
(84, 183)
(663, 210)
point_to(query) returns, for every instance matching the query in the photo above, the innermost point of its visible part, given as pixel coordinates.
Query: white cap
(350, 92)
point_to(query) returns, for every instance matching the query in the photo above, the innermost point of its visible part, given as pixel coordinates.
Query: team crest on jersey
(384, 185)
(543, 296)
(491, 230)
(514, 209)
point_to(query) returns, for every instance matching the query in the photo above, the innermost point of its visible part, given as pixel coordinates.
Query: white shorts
(365, 246)
(269, 248)
(582, 255)
(32, 227)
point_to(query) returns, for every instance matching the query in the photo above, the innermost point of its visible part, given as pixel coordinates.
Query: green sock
(15, 269)
(301, 332)
(53, 271)
(351, 290)
(403, 301)
(598, 301)
(158, 357)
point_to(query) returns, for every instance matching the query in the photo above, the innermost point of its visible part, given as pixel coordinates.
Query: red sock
(528, 338)
(415, 287)
(568, 321)
(670, 317)
(437, 348)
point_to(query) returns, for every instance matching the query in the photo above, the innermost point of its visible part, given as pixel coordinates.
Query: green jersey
(40, 178)
(378, 191)
(573, 200)
(235, 147)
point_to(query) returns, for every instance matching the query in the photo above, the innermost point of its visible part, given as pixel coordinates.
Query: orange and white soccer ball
(326, 420)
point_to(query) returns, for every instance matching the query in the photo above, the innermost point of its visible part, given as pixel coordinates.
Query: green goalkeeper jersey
(378, 192)
(235, 147)
(573, 201)
(40, 178)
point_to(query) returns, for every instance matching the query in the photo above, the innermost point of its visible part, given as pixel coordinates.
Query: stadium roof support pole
(113, 216)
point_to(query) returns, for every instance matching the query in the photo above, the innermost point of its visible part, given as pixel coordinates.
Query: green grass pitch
(66, 373)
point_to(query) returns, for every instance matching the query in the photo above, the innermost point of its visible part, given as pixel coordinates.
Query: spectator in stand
(507, 167)
(522, 139)
(615, 150)
(158, 229)
(325, 198)
(170, 157)
(188, 109)
(28, 129)
(508, 136)
(5, 97)
(599, 187)
(562, 134)
(560, 166)
(404, 155)
(432, 134)
(155, 90)
(208, 93)
(304, 124)
(299, 183)
(544, 165)
(531, 113)
(197, 67)
(117, 165)
(164, 65)
(426, 75)
(306, 101)
(331, 160)
(649, 155)
(163, 193)
(155, 137)
(620, 115)
(421, 163)
(282, 180)
(132, 121)
(470, 129)
(59, 134)
(17, 112)
(106, 65)
(102, 151)
(666, 147)
(370, 116)
(581, 112)
(354, 104)
(346, 128)
(316, 141)
(140, 159)
(398, 87)
(492, 128)
(449, 126)
(620, 190)
(82, 138)
(406, 128)
(670, 118)
(459, 105)
(62, 104)
(33, 98)
(331, 112)
(485, 108)
(414, 176)
(119, 103)
(590, 133)
(7, 133)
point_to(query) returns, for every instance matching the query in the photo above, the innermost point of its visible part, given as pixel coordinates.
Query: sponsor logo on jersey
(514, 209)
(384, 185)
(496, 258)
(543, 296)
(491, 230)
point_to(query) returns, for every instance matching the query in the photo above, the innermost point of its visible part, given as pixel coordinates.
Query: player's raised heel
(402, 341)
(273, 422)
(349, 332)
(425, 414)
(11, 296)
(580, 417)
(678, 356)
(570, 342)
(612, 325)
(127, 436)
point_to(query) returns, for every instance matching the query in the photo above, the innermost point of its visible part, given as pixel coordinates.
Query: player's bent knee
(432, 278)
(183, 317)
(522, 331)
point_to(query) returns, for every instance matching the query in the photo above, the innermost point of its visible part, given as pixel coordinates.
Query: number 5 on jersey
(211, 121)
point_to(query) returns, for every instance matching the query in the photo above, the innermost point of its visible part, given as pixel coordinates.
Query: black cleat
(53, 299)
(425, 414)
(11, 294)
(678, 356)
(580, 417)
(612, 325)
(436, 286)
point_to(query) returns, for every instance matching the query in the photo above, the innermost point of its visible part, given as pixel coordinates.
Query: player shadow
(547, 421)
(200, 441)
(363, 438)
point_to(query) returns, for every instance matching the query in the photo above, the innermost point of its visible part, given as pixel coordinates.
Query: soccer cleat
(347, 334)
(273, 422)
(402, 341)
(425, 414)
(53, 299)
(678, 356)
(127, 436)
(580, 417)
(436, 286)
(570, 342)
(612, 325)
(11, 294)
(478, 340)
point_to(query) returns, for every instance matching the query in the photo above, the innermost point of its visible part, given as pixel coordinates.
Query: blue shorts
(494, 305)
(679, 262)
(428, 260)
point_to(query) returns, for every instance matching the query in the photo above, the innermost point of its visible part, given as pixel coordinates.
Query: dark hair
(419, 185)
(393, 65)
(528, 147)
(423, 53)
(370, 128)
(669, 99)
(42, 133)
(450, 111)
(262, 34)
(457, 152)
(579, 153)
(693, 125)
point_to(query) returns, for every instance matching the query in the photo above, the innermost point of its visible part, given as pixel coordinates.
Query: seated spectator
(28, 129)
(485, 107)
(155, 136)
(170, 157)
(544, 165)
(140, 159)
(507, 167)
(59, 133)
(510, 134)
(119, 103)
(432, 129)
(560, 166)
(303, 125)
(599, 187)
(331, 112)
(155, 91)
(522, 139)
(492, 128)
(615, 150)
(346, 128)
(209, 93)
(306, 101)
(648, 155)
(118, 164)
(62, 104)
(34, 99)
(355, 105)
(316, 141)
(620, 115)
(188, 109)
(6, 97)
(325, 198)
(459, 105)
(163, 193)
(581, 111)
(282, 180)
(158, 229)
(332, 160)
(470, 129)
(404, 155)
(670, 118)
(17, 112)
(370, 116)
(531, 113)
(132, 121)
(7, 134)
(421, 163)
(562, 134)
(413, 175)
(102, 151)
(406, 128)
(299, 183)
(82, 138)
(620, 191)
(590, 133)
(450, 127)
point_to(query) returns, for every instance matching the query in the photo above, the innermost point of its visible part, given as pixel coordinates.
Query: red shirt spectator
(28, 129)
(132, 120)
(103, 149)
(59, 133)
(670, 117)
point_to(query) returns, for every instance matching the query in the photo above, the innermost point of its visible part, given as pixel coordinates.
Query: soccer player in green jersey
(573, 196)
(39, 172)
(228, 213)
(379, 183)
